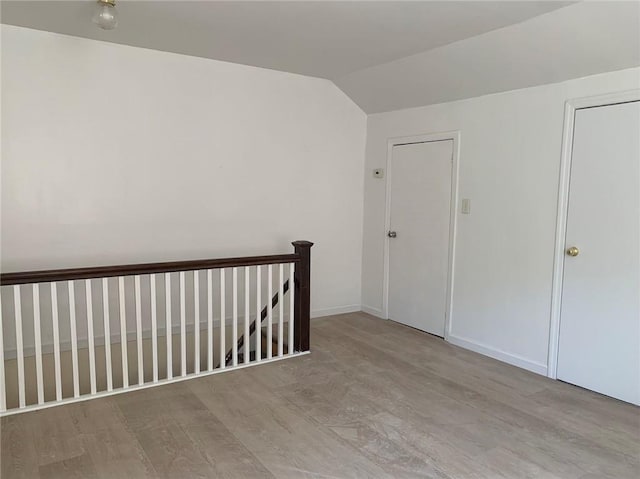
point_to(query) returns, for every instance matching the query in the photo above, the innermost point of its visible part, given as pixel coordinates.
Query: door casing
(454, 136)
(563, 203)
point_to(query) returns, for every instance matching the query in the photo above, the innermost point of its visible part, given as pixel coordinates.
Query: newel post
(302, 300)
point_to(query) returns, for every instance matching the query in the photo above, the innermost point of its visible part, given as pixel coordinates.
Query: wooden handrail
(47, 276)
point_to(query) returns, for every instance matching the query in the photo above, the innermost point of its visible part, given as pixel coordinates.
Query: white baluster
(234, 346)
(183, 326)
(291, 304)
(38, 341)
(222, 319)
(247, 326)
(270, 312)
(209, 322)
(56, 340)
(169, 328)
(196, 322)
(280, 309)
(123, 333)
(107, 333)
(74, 338)
(154, 327)
(90, 338)
(138, 300)
(3, 385)
(258, 331)
(19, 344)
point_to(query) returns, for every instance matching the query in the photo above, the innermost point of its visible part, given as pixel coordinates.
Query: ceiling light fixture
(105, 15)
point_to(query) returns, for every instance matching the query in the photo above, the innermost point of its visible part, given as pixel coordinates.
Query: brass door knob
(573, 251)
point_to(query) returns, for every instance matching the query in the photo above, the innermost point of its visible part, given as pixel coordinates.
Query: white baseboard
(378, 313)
(503, 356)
(350, 308)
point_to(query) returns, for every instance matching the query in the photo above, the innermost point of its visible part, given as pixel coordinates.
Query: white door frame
(454, 136)
(571, 106)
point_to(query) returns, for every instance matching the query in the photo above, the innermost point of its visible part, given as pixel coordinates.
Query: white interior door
(420, 217)
(599, 346)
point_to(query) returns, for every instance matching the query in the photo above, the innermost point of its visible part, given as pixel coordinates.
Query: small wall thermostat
(378, 173)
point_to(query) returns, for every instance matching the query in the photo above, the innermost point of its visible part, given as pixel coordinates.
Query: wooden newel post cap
(302, 244)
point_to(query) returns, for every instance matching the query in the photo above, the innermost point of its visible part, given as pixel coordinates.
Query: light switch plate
(378, 173)
(466, 206)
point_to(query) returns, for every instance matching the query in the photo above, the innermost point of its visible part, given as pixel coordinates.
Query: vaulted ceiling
(384, 55)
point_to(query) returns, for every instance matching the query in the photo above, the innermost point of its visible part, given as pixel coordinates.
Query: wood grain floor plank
(228, 457)
(78, 467)
(113, 448)
(584, 451)
(54, 435)
(18, 457)
(182, 438)
(282, 436)
(373, 399)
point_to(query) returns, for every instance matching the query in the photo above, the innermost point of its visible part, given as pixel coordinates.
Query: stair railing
(103, 330)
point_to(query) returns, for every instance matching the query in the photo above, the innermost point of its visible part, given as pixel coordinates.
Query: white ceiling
(323, 38)
(580, 40)
(385, 55)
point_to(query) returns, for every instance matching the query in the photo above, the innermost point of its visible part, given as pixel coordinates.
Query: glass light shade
(105, 16)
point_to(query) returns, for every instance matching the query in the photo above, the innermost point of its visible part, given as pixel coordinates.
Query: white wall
(509, 168)
(113, 154)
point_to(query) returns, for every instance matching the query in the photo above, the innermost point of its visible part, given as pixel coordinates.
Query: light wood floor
(374, 399)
